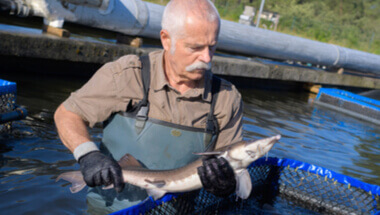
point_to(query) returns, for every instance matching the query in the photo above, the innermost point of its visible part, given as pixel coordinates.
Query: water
(314, 134)
(33, 156)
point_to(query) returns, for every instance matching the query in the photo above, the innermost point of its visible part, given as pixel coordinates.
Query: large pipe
(135, 17)
(270, 44)
(15, 7)
(7, 6)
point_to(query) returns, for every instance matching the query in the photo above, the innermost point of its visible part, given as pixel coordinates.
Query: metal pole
(259, 15)
(370, 42)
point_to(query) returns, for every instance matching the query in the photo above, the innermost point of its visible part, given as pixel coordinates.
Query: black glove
(99, 169)
(217, 176)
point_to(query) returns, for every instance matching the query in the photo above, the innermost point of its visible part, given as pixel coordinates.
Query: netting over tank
(350, 103)
(7, 102)
(280, 186)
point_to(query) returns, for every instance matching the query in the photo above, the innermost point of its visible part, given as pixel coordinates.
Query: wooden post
(55, 31)
(132, 41)
(276, 22)
(312, 88)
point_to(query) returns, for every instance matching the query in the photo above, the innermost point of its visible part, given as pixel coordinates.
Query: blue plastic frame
(7, 87)
(343, 179)
(149, 203)
(350, 97)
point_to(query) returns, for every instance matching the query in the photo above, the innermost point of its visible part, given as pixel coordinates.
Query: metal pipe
(135, 17)
(6, 7)
(15, 7)
(265, 43)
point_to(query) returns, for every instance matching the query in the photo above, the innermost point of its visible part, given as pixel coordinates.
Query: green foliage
(230, 10)
(161, 2)
(349, 23)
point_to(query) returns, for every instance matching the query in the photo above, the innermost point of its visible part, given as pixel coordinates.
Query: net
(280, 186)
(350, 103)
(7, 102)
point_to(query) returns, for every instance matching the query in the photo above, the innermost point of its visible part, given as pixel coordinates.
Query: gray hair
(176, 11)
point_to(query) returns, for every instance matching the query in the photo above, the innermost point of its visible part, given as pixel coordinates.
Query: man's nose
(206, 55)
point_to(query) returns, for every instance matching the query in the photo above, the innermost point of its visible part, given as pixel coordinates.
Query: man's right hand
(99, 169)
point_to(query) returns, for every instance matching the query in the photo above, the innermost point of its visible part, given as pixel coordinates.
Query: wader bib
(156, 144)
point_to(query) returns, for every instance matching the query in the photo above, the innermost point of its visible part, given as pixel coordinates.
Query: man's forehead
(194, 19)
(199, 39)
(193, 25)
(198, 36)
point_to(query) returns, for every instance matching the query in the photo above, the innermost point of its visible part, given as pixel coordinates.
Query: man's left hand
(217, 176)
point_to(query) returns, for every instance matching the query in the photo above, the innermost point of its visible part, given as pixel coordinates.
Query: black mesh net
(279, 190)
(7, 104)
(325, 195)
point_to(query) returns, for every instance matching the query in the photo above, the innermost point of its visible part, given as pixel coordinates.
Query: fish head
(249, 151)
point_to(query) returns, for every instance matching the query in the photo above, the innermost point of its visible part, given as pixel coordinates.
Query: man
(184, 109)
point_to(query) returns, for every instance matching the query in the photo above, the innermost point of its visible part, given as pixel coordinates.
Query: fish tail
(75, 178)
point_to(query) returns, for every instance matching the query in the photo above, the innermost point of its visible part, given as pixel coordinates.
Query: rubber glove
(99, 169)
(217, 176)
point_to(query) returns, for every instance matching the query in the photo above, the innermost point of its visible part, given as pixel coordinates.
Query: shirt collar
(159, 83)
(159, 79)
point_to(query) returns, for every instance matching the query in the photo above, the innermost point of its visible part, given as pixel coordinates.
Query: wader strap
(212, 127)
(143, 106)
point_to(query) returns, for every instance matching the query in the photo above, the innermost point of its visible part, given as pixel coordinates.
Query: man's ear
(165, 40)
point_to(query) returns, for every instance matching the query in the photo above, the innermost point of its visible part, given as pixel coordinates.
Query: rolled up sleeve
(102, 95)
(231, 121)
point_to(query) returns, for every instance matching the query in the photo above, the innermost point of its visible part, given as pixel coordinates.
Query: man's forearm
(97, 169)
(71, 128)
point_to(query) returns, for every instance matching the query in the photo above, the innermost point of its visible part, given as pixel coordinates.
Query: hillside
(349, 23)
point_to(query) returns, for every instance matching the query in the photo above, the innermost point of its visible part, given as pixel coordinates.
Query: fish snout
(266, 147)
(261, 147)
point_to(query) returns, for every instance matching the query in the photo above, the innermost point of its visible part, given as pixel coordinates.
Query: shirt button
(178, 99)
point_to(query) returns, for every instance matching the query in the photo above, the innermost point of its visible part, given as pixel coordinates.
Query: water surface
(33, 156)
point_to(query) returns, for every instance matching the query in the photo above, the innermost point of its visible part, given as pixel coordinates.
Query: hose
(17, 114)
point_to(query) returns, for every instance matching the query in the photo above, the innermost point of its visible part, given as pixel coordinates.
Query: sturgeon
(158, 182)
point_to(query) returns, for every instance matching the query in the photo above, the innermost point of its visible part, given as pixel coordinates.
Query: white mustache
(198, 65)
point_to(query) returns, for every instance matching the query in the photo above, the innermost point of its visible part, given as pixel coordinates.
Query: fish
(159, 182)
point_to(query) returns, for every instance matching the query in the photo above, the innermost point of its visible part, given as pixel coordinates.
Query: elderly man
(160, 109)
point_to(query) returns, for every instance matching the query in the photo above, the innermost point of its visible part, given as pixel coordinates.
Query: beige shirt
(115, 84)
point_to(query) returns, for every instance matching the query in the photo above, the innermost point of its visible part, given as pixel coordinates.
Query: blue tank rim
(7, 87)
(150, 203)
(350, 97)
(321, 171)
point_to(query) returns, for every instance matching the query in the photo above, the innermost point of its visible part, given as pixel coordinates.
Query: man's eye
(196, 48)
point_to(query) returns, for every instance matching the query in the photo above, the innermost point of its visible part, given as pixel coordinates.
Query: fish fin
(243, 184)
(156, 193)
(75, 178)
(158, 184)
(208, 153)
(128, 160)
